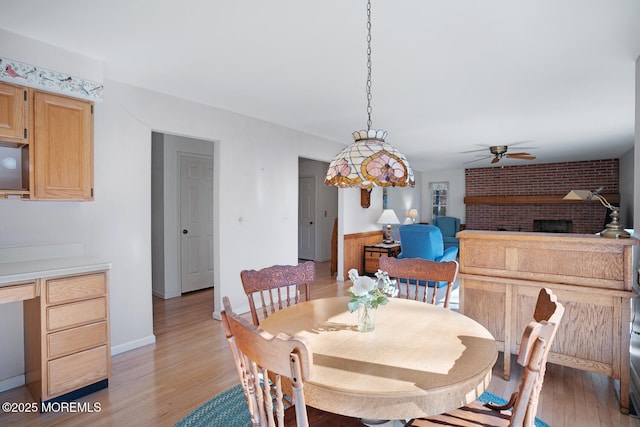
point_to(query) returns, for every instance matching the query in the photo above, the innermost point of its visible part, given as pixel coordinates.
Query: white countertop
(24, 271)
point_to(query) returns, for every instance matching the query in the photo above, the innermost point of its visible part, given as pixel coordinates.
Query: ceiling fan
(500, 151)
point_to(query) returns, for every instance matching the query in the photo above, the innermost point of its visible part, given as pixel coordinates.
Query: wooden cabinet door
(13, 113)
(62, 147)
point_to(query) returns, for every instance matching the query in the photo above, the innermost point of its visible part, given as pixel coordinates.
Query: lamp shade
(369, 162)
(413, 214)
(613, 230)
(388, 217)
(578, 195)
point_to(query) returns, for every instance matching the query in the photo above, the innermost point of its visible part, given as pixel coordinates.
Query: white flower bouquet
(370, 292)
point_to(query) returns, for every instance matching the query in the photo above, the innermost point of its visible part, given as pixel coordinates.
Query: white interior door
(196, 220)
(307, 218)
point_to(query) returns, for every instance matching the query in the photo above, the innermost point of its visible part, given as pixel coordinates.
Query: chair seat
(473, 415)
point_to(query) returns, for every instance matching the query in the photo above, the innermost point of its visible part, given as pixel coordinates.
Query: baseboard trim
(12, 382)
(131, 345)
(19, 380)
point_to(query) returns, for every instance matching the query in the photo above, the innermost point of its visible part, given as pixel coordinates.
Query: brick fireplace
(512, 197)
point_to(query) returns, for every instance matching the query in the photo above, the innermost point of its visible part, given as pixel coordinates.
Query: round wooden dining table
(420, 359)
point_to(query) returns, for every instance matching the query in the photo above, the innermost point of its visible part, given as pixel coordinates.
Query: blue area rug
(229, 409)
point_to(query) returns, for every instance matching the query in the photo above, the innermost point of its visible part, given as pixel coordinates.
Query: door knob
(310, 222)
(185, 231)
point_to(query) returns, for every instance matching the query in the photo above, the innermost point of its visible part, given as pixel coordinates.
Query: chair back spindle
(259, 355)
(414, 276)
(272, 371)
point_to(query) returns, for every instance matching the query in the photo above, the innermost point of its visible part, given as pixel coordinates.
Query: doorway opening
(317, 211)
(169, 191)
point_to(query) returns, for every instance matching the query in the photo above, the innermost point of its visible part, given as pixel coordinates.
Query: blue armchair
(449, 226)
(424, 241)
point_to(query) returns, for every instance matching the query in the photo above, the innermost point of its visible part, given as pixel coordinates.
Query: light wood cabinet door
(13, 114)
(62, 147)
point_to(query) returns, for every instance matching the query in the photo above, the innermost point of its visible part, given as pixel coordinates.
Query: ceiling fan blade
(518, 154)
(513, 144)
(474, 151)
(496, 159)
(476, 160)
(522, 157)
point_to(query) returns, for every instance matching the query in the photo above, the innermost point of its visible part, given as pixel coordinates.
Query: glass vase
(366, 318)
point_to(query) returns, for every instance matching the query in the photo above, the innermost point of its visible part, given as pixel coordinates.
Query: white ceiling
(448, 76)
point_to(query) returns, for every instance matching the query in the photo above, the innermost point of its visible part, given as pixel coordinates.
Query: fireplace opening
(553, 225)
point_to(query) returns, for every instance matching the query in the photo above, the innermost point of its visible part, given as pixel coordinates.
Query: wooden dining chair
(282, 358)
(415, 274)
(276, 287)
(523, 405)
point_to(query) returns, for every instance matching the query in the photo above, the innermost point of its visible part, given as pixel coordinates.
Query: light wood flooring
(159, 384)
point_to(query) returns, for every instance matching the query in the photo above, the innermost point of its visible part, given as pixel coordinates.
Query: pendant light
(369, 161)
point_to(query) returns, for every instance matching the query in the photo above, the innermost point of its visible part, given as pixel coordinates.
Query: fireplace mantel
(532, 200)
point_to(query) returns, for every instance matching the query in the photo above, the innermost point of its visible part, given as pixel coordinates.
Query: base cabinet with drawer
(66, 330)
(372, 254)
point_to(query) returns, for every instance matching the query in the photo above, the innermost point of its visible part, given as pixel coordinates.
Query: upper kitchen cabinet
(61, 147)
(13, 115)
(46, 145)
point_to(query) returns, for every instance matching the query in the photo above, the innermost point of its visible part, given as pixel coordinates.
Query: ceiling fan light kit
(500, 151)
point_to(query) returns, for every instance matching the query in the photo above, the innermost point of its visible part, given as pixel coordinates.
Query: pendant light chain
(369, 161)
(369, 109)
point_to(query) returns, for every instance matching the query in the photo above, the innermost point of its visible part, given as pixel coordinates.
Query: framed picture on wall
(439, 193)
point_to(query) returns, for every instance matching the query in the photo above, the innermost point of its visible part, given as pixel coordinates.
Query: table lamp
(388, 217)
(613, 230)
(413, 214)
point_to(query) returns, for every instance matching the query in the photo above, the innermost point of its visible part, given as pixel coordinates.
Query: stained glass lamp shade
(370, 161)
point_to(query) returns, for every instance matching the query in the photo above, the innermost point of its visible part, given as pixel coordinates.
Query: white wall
(635, 341)
(636, 180)
(626, 185)
(455, 204)
(157, 214)
(255, 202)
(401, 199)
